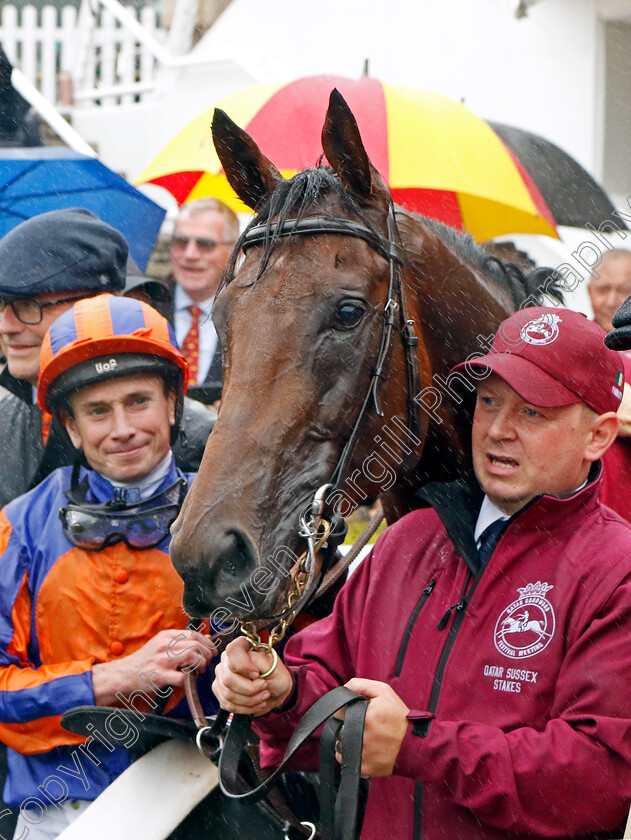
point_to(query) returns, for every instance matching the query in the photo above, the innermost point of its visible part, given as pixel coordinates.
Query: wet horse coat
(301, 320)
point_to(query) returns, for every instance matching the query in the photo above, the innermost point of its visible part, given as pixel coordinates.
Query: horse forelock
(295, 198)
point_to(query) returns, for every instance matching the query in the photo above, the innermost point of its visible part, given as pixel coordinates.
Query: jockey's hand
(160, 662)
(384, 729)
(239, 687)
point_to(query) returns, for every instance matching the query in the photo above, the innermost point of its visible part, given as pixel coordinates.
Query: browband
(259, 234)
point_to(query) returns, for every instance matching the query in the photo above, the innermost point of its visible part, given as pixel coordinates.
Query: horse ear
(344, 150)
(250, 174)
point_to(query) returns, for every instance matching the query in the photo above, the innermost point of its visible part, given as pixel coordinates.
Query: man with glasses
(46, 264)
(90, 604)
(204, 235)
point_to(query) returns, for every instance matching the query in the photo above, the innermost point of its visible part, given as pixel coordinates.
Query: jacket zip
(461, 606)
(410, 626)
(459, 611)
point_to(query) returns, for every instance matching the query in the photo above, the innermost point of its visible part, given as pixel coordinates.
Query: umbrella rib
(61, 192)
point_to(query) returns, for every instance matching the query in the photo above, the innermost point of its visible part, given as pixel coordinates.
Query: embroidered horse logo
(526, 626)
(542, 330)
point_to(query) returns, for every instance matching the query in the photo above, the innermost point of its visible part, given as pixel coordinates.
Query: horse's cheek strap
(339, 814)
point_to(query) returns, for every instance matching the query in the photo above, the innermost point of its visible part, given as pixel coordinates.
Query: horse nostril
(220, 574)
(236, 562)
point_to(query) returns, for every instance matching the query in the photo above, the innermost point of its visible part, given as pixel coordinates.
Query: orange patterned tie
(46, 418)
(190, 345)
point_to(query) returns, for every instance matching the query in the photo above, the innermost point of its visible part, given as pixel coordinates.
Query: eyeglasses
(204, 243)
(95, 526)
(32, 311)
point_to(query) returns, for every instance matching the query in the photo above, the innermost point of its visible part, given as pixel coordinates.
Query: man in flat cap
(47, 263)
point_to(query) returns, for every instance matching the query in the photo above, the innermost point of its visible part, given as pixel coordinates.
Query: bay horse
(340, 318)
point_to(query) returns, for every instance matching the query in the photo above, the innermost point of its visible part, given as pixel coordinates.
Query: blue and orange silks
(63, 609)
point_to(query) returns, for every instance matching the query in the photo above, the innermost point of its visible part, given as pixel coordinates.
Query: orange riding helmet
(103, 337)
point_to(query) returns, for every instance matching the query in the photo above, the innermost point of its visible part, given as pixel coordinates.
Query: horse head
(325, 346)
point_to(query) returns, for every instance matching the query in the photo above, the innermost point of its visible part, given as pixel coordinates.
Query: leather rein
(340, 810)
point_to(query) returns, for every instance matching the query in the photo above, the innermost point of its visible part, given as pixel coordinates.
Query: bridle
(339, 811)
(314, 528)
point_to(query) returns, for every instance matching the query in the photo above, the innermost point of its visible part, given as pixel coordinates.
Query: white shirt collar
(147, 486)
(489, 513)
(183, 301)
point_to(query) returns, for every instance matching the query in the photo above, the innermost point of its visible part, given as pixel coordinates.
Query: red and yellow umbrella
(438, 158)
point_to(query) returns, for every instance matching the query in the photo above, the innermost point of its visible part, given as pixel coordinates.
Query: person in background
(612, 285)
(491, 631)
(90, 604)
(607, 291)
(46, 264)
(202, 241)
(148, 289)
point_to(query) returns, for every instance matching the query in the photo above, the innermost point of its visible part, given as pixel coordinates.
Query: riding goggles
(94, 526)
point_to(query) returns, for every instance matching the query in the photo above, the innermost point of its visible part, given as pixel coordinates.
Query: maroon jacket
(518, 676)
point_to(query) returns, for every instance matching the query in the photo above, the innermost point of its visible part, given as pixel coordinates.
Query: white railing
(102, 54)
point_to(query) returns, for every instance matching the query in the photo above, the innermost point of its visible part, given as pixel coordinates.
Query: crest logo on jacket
(526, 626)
(542, 330)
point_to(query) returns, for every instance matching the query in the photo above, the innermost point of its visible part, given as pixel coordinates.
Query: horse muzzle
(222, 576)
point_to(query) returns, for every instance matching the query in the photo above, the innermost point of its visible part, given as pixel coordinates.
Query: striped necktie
(190, 345)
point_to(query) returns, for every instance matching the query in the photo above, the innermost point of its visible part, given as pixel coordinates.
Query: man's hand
(238, 685)
(384, 729)
(164, 659)
(624, 413)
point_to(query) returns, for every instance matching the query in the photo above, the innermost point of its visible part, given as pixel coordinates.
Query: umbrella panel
(34, 185)
(573, 196)
(437, 157)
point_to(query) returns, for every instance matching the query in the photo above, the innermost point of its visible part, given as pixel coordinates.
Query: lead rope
(335, 573)
(290, 820)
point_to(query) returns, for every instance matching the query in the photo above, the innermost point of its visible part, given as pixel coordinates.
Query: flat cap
(62, 251)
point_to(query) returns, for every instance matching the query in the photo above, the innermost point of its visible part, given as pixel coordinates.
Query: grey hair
(206, 205)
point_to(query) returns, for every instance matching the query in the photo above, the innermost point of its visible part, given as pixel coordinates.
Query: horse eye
(348, 315)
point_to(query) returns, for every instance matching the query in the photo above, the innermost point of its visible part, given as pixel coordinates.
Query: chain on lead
(316, 531)
(277, 633)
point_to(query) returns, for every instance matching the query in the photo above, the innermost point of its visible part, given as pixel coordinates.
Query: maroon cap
(554, 357)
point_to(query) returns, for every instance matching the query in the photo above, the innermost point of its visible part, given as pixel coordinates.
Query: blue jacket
(63, 609)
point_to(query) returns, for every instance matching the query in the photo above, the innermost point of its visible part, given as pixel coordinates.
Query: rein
(341, 810)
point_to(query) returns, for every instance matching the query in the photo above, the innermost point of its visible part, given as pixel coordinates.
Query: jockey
(89, 601)
(47, 263)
